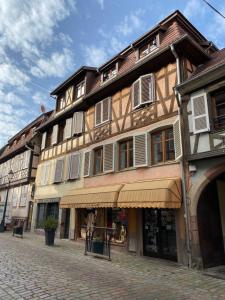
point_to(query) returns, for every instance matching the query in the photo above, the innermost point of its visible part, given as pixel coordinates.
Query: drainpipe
(182, 163)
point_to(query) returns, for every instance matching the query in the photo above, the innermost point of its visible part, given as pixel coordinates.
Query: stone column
(34, 217)
(72, 224)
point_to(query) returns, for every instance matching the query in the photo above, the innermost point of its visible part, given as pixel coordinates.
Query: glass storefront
(160, 233)
(111, 218)
(45, 210)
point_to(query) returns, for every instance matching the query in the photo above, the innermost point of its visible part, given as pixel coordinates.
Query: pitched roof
(216, 59)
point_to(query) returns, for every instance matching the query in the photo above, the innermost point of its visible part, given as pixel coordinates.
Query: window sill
(168, 162)
(150, 53)
(102, 124)
(103, 82)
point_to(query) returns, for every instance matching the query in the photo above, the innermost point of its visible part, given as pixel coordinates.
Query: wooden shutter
(200, 114)
(43, 142)
(68, 129)
(177, 138)
(140, 150)
(105, 109)
(59, 170)
(98, 113)
(147, 88)
(108, 158)
(26, 159)
(87, 156)
(78, 122)
(74, 166)
(136, 93)
(55, 134)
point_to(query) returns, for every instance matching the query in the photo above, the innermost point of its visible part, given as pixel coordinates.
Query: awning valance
(104, 196)
(47, 200)
(161, 193)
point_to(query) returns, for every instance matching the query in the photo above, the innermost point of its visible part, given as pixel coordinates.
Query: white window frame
(140, 91)
(80, 87)
(111, 72)
(197, 95)
(109, 111)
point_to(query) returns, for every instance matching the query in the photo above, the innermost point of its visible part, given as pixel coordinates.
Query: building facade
(111, 152)
(20, 156)
(203, 102)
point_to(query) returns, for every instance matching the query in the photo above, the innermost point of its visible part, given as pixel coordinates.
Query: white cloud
(57, 65)
(101, 3)
(11, 75)
(131, 23)
(95, 56)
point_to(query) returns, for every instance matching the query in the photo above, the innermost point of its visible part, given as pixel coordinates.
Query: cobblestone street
(31, 270)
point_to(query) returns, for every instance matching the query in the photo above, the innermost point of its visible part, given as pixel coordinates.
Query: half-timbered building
(112, 149)
(20, 156)
(203, 103)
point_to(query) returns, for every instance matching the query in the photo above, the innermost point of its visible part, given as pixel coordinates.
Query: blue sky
(43, 42)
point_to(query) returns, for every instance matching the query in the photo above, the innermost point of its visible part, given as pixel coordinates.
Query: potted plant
(98, 245)
(50, 226)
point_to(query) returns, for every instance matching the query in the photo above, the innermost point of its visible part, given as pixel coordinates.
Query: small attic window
(147, 48)
(23, 136)
(110, 73)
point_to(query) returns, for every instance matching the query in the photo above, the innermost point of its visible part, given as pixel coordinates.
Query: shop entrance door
(160, 233)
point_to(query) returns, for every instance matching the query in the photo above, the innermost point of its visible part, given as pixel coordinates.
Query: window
(162, 146)
(102, 111)
(110, 73)
(98, 160)
(61, 103)
(45, 210)
(126, 154)
(148, 48)
(61, 131)
(143, 90)
(219, 104)
(48, 138)
(117, 219)
(80, 89)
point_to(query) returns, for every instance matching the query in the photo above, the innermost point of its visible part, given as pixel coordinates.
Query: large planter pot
(98, 247)
(49, 237)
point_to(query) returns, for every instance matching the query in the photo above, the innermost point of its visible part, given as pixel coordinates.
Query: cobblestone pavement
(31, 270)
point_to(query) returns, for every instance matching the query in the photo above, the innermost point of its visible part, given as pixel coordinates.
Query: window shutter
(55, 134)
(68, 129)
(136, 93)
(59, 170)
(108, 158)
(74, 166)
(78, 122)
(177, 138)
(106, 109)
(43, 142)
(26, 159)
(140, 150)
(87, 156)
(147, 88)
(98, 113)
(200, 114)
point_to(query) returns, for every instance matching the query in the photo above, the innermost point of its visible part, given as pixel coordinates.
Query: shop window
(162, 146)
(126, 154)
(45, 210)
(98, 160)
(117, 219)
(219, 109)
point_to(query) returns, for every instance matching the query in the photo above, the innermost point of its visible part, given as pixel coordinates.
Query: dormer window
(80, 89)
(147, 48)
(110, 73)
(61, 102)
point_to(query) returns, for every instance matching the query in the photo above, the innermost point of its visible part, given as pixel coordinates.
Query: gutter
(182, 163)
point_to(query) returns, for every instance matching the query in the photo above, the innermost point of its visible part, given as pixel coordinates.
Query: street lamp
(2, 224)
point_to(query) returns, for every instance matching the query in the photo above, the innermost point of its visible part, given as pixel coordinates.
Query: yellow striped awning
(103, 196)
(160, 193)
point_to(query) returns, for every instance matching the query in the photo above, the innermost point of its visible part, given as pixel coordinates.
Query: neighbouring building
(21, 155)
(203, 102)
(112, 149)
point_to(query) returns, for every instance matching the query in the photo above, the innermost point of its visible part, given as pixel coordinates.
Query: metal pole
(2, 225)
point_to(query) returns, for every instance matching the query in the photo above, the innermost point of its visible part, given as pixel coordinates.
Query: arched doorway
(211, 222)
